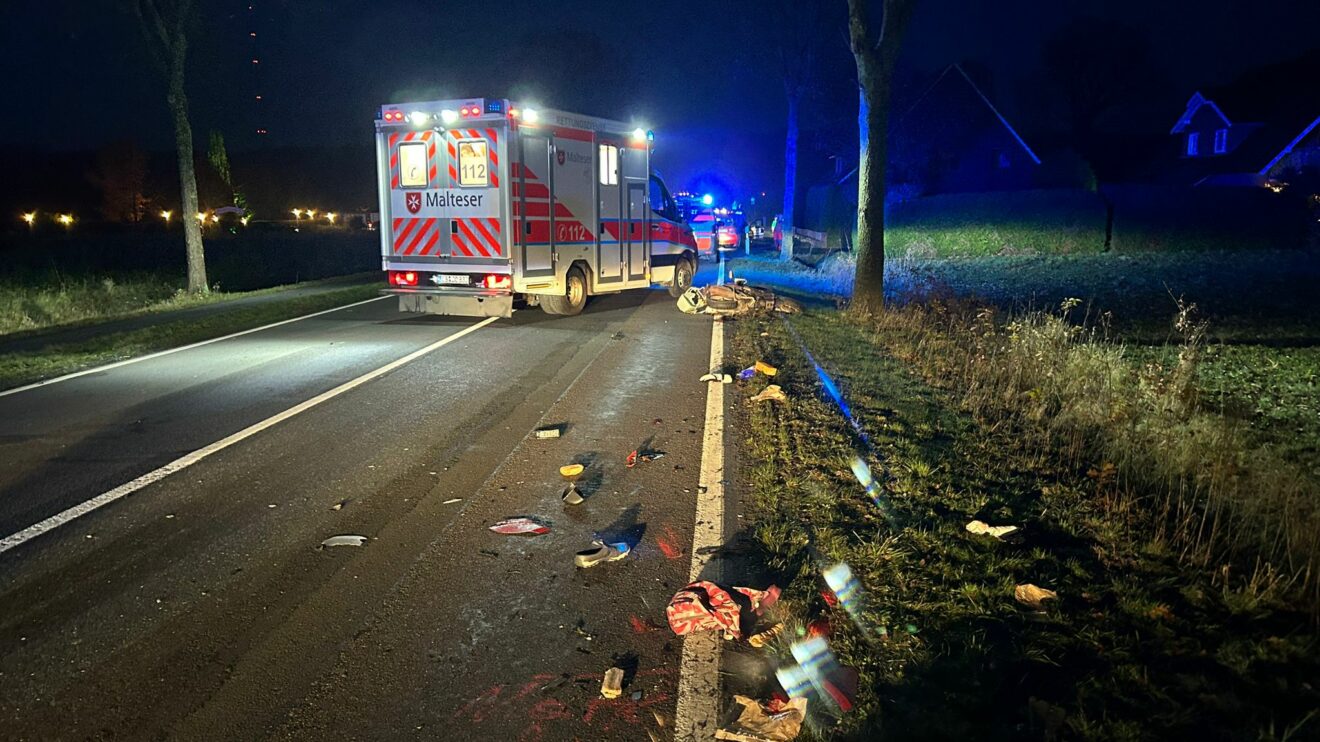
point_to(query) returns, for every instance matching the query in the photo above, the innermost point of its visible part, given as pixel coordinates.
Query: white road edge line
(698, 710)
(128, 488)
(167, 351)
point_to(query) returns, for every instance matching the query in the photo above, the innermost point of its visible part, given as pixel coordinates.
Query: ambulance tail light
(726, 235)
(403, 278)
(498, 281)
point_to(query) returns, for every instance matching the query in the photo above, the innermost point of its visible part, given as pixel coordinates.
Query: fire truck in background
(485, 202)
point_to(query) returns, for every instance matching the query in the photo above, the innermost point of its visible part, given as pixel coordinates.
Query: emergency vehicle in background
(484, 202)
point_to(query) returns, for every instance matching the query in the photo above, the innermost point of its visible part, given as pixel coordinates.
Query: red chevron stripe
(472, 238)
(430, 243)
(417, 236)
(400, 237)
(492, 242)
(459, 246)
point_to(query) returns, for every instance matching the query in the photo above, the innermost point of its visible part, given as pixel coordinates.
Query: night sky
(695, 73)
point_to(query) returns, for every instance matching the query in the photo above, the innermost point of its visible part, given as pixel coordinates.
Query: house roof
(1279, 102)
(962, 74)
(1194, 104)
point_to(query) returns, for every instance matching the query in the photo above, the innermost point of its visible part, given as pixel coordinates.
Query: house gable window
(1193, 144)
(1221, 141)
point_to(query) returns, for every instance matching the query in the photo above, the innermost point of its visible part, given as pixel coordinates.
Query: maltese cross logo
(413, 201)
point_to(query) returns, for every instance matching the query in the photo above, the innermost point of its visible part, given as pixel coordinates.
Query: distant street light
(65, 219)
(297, 214)
(201, 217)
(31, 219)
(311, 213)
(244, 220)
(331, 217)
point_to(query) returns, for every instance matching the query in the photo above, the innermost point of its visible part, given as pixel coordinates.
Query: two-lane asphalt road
(198, 606)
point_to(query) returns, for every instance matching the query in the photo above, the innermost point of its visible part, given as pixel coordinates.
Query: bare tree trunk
(192, 229)
(790, 175)
(873, 121)
(875, 56)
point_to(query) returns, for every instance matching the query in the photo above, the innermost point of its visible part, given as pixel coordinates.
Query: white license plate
(451, 279)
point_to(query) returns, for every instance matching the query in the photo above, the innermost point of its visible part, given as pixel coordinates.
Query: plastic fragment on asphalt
(761, 367)
(771, 393)
(985, 529)
(758, 723)
(717, 377)
(571, 471)
(549, 431)
(339, 505)
(452, 500)
(520, 526)
(345, 540)
(1032, 596)
(572, 496)
(612, 685)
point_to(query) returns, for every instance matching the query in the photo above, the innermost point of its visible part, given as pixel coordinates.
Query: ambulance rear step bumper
(455, 302)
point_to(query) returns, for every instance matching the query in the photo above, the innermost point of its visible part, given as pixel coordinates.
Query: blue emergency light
(494, 106)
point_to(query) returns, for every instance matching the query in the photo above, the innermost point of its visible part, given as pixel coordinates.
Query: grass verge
(17, 369)
(1145, 639)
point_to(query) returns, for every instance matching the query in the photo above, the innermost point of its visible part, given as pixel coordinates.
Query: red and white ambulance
(485, 203)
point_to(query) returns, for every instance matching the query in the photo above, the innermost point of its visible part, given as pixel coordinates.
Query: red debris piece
(520, 526)
(632, 459)
(819, 627)
(705, 606)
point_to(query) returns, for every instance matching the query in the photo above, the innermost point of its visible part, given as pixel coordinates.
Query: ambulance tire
(574, 297)
(683, 272)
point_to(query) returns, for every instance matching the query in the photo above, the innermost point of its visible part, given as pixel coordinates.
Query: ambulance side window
(473, 165)
(609, 164)
(661, 203)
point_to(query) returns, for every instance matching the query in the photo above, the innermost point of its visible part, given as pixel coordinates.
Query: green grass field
(1157, 632)
(25, 367)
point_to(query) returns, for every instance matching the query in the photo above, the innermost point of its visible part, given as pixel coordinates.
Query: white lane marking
(699, 682)
(167, 351)
(105, 498)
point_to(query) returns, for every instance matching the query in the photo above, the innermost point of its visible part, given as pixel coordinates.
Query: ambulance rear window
(412, 165)
(472, 163)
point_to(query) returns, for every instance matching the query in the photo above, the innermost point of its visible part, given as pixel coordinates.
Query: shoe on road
(600, 552)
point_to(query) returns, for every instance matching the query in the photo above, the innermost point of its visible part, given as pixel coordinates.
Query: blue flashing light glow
(494, 106)
(707, 199)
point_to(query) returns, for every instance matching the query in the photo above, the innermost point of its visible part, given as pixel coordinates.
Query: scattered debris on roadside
(549, 431)
(520, 526)
(747, 373)
(705, 606)
(738, 299)
(644, 457)
(344, 540)
(571, 495)
(777, 721)
(599, 553)
(985, 529)
(1033, 597)
(762, 638)
(571, 471)
(772, 393)
(716, 376)
(761, 367)
(339, 505)
(612, 685)
(452, 500)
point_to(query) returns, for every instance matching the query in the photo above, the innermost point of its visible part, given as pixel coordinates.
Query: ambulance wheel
(682, 278)
(574, 297)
